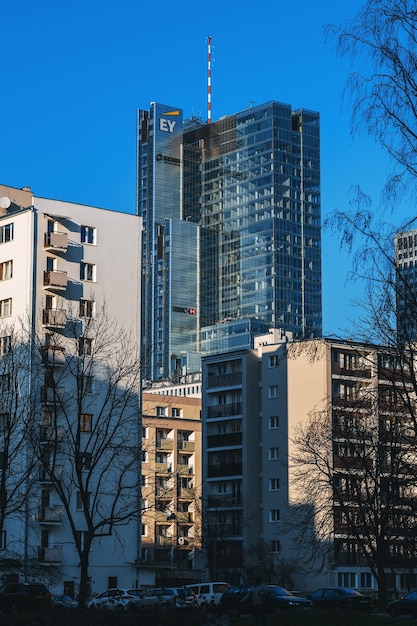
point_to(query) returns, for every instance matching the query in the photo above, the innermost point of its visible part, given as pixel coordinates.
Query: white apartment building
(70, 292)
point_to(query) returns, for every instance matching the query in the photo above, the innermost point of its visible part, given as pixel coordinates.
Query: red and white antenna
(208, 80)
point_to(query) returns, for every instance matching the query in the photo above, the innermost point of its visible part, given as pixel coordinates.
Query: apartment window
(161, 411)
(86, 422)
(4, 383)
(274, 422)
(273, 361)
(176, 412)
(79, 500)
(366, 581)
(275, 546)
(88, 234)
(144, 433)
(6, 233)
(273, 391)
(274, 484)
(6, 270)
(81, 537)
(86, 308)
(87, 271)
(5, 307)
(85, 384)
(346, 579)
(274, 515)
(273, 454)
(5, 344)
(85, 346)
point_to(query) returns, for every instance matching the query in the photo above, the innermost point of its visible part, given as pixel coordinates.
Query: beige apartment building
(253, 402)
(171, 487)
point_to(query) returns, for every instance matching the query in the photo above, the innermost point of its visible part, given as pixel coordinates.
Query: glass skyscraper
(232, 230)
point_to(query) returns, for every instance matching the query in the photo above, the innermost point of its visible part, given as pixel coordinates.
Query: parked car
(162, 597)
(277, 599)
(406, 605)
(62, 601)
(341, 598)
(209, 593)
(115, 599)
(184, 597)
(20, 597)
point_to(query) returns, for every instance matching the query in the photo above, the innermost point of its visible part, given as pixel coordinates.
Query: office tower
(66, 292)
(232, 233)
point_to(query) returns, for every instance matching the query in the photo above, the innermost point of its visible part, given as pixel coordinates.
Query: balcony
(224, 500)
(183, 470)
(52, 395)
(224, 380)
(163, 468)
(46, 476)
(52, 514)
(51, 435)
(54, 279)
(50, 555)
(186, 446)
(56, 241)
(226, 469)
(224, 440)
(54, 318)
(224, 410)
(160, 540)
(53, 356)
(165, 493)
(186, 493)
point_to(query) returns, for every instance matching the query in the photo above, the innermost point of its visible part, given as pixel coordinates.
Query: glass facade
(250, 186)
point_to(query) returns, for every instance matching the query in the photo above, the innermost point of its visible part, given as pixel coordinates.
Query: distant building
(232, 231)
(62, 268)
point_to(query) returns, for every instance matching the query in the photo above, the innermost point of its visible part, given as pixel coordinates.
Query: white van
(209, 593)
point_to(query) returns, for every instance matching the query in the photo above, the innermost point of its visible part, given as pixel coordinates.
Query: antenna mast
(208, 80)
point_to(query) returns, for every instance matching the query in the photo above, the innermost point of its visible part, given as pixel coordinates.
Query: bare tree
(355, 467)
(383, 35)
(17, 408)
(90, 442)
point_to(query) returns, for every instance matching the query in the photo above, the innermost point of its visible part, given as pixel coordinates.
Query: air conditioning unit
(182, 541)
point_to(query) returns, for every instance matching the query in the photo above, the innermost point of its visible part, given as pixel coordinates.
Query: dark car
(341, 598)
(20, 597)
(235, 600)
(403, 606)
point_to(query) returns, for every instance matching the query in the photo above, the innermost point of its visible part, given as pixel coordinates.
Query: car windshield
(350, 592)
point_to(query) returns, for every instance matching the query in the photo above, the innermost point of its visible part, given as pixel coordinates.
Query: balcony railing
(54, 279)
(51, 514)
(50, 555)
(224, 410)
(45, 475)
(49, 434)
(53, 356)
(50, 395)
(165, 444)
(185, 469)
(224, 380)
(56, 241)
(225, 469)
(163, 468)
(54, 318)
(225, 440)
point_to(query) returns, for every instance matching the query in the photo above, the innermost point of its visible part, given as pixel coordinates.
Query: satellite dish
(4, 202)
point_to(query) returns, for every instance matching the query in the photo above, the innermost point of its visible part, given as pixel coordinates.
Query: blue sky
(73, 75)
